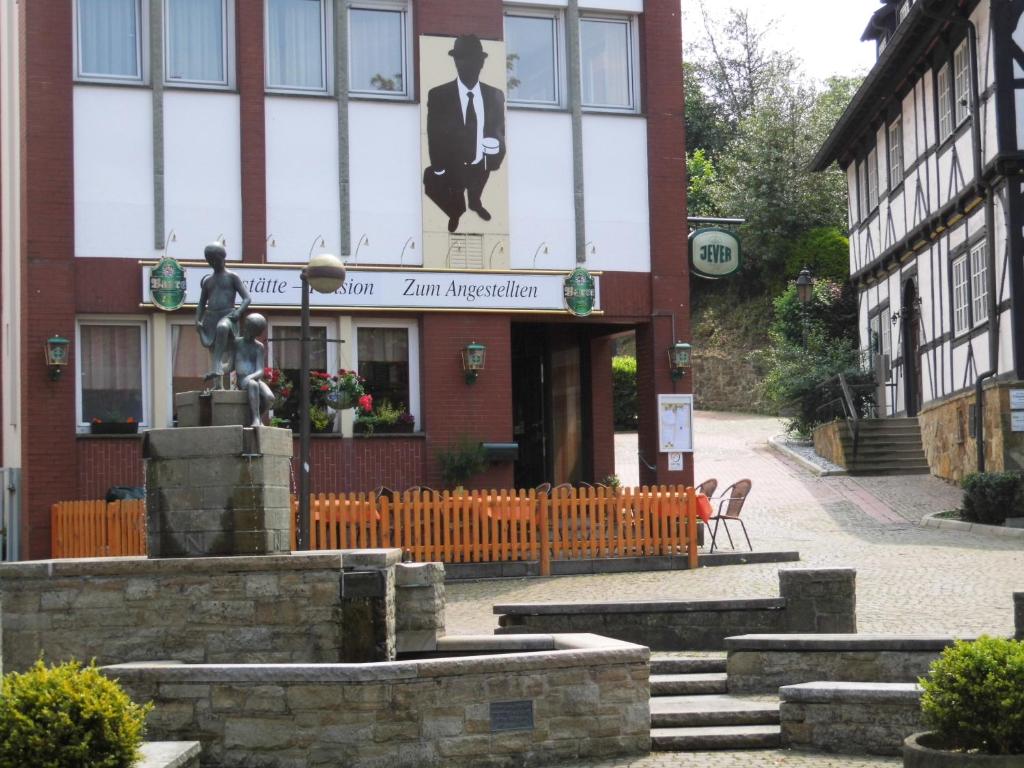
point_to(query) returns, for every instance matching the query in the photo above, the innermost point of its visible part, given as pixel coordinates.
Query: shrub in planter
(68, 716)
(991, 497)
(624, 397)
(974, 697)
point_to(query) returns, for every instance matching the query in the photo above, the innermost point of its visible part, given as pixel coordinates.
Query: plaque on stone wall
(511, 716)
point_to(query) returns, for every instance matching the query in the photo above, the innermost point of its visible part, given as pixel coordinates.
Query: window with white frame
(961, 311)
(197, 41)
(945, 99)
(886, 333)
(962, 82)
(979, 283)
(379, 49)
(880, 343)
(190, 361)
(862, 177)
(872, 180)
(297, 42)
(533, 57)
(112, 384)
(387, 356)
(607, 63)
(895, 154)
(285, 353)
(108, 40)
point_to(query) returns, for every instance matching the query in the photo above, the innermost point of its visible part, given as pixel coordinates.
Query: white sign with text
(396, 289)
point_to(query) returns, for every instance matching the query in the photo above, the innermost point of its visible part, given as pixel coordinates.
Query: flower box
(114, 428)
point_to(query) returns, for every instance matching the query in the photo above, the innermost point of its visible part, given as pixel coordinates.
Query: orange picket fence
(466, 527)
(98, 528)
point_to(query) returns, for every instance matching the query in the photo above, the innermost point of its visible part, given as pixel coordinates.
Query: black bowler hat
(468, 47)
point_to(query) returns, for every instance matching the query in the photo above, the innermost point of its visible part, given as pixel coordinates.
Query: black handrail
(852, 413)
(844, 406)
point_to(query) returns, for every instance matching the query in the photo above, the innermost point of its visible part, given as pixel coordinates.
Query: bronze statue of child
(249, 363)
(216, 313)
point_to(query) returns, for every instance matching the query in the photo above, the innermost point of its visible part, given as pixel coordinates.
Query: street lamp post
(804, 293)
(325, 273)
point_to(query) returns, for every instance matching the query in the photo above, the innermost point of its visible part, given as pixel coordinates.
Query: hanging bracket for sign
(714, 253)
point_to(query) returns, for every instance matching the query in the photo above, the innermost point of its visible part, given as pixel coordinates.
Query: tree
(700, 172)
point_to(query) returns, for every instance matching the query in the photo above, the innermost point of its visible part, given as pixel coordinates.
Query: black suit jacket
(446, 131)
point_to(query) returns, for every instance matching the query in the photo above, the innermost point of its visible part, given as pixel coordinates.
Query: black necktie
(470, 129)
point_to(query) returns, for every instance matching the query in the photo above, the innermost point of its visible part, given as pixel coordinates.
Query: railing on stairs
(846, 400)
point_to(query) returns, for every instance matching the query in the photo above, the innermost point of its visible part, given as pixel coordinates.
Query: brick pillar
(819, 600)
(602, 420)
(252, 126)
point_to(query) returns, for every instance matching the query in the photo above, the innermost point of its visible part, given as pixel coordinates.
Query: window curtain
(376, 50)
(108, 37)
(295, 44)
(531, 58)
(605, 63)
(111, 372)
(383, 345)
(384, 363)
(189, 359)
(287, 350)
(195, 40)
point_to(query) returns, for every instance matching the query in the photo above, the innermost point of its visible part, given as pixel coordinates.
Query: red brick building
(138, 127)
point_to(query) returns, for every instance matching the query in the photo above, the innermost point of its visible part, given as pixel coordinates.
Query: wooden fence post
(543, 507)
(691, 528)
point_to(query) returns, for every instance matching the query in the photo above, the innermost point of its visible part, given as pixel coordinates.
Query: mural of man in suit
(465, 135)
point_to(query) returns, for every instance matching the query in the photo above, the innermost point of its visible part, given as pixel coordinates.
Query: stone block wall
(852, 718)
(214, 491)
(812, 600)
(828, 442)
(819, 600)
(574, 703)
(419, 606)
(241, 609)
(952, 452)
(727, 381)
(762, 664)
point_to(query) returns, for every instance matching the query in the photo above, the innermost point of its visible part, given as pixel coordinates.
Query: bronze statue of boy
(249, 364)
(216, 313)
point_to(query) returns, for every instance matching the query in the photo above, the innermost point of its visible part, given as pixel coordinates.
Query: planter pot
(114, 428)
(924, 750)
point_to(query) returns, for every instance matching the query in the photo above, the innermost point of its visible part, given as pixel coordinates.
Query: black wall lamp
(56, 355)
(474, 356)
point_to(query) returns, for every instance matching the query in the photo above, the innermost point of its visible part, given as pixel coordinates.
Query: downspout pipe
(979, 418)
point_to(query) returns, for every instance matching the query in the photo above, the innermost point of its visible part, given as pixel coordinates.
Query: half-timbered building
(932, 145)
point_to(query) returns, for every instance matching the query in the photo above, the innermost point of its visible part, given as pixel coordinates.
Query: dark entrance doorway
(911, 348)
(550, 403)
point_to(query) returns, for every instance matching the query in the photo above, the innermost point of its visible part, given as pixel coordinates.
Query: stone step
(698, 711)
(715, 737)
(889, 452)
(890, 470)
(686, 665)
(688, 684)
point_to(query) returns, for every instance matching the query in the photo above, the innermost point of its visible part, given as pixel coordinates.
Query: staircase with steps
(691, 710)
(885, 447)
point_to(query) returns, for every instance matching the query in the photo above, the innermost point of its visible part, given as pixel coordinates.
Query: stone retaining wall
(169, 754)
(301, 607)
(582, 698)
(419, 606)
(764, 663)
(812, 600)
(853, 718)
(828, 442)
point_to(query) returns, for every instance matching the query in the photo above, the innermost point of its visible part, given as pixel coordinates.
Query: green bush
(991, 497)
(974, 696)
(68, 716)
(624, 392)
(461, 462)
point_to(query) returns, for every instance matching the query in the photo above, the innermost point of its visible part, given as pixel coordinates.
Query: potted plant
(973, 701)
(114, 425)
(462, 461)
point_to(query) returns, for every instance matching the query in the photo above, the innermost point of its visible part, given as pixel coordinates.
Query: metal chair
(708, 487)
(544, 488)
(729, 507)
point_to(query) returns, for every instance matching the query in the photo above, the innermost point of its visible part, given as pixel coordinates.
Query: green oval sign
(580, 292)
(714, 252)
(167, 284)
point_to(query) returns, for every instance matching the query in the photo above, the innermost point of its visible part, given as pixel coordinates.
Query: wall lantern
(56, 355)
(473, 358)
(679, 359)
(804, 286)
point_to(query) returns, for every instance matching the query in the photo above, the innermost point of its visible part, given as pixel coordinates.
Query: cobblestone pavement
(909, 579)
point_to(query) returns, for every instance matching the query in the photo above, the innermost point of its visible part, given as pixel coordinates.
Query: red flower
(366, 403)
(131, 420)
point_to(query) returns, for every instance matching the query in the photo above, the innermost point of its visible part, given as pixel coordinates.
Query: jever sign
(714, 252)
